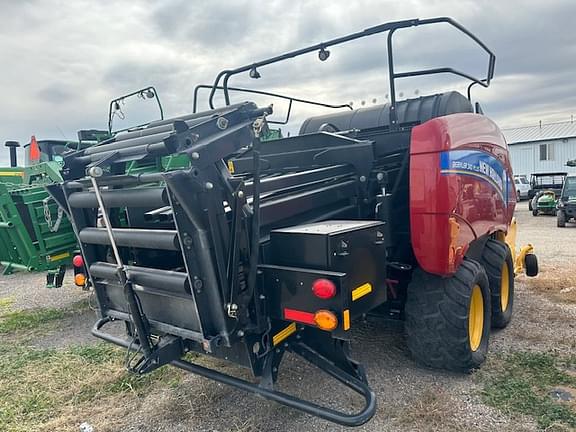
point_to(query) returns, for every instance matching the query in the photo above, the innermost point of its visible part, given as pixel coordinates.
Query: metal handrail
(224, 76)
(266, 93)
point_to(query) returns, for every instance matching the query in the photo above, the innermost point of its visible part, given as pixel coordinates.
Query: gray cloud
(60, 73)
(55, 94)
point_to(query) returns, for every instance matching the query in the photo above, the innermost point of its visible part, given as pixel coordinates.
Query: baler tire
(438, 318)
(497, 261)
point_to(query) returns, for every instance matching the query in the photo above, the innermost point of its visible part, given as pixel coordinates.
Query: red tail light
(78, 261)
(324, 288)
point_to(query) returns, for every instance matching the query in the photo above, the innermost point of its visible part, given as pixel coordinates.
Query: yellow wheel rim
(505, 288)
(476, 318)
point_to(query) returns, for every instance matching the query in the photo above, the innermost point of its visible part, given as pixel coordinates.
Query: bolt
(380, 176)
(198, 284)
(209, 186)
(362, 179)
(240, 333)
(96, 171)
(274, 369)
(240, 194)
(262, 297)
(195, 155)
(222, 123)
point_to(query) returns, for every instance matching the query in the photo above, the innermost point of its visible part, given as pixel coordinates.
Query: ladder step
(143, 197)
(138, 238)
(154, 278)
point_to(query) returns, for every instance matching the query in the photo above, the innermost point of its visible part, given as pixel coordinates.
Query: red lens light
(78, 261)
(324, 288)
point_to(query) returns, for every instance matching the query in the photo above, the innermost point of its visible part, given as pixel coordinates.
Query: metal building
(542, 148)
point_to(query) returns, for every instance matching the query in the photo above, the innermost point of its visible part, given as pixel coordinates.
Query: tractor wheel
(531, 265)
(497, 261)
(534, 212)
(561, 219)
(448, 319)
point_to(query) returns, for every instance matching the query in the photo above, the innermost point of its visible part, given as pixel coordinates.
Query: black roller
(153, 278)
(142, 197)
(129, 143)
(137, 238)
(409, 111)
(128, 153)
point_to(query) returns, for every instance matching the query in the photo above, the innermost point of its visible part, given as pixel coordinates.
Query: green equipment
(544, 202)
(35, 235)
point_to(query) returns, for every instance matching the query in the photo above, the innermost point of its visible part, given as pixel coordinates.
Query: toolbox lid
(332, 227)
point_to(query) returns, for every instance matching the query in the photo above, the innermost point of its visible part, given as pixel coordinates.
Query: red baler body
(459, 172)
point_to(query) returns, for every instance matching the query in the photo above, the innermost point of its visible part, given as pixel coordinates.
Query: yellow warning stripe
(283, 334)
(231, 167)
(346, 319)
(59, 256)
(11, 174)
(361, 291)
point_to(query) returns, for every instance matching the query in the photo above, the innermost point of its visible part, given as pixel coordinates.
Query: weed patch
(521, 383)
(30, 319)
(40, 388)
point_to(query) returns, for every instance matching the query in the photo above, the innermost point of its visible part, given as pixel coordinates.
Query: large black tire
(561, 219)
(439, 317)
(534, 212)
(497, 261)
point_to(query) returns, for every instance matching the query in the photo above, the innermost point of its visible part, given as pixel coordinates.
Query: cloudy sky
(62, 61)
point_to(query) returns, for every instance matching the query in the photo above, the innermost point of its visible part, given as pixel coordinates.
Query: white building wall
(525, 157)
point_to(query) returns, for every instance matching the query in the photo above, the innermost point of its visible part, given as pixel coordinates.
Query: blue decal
(477, 164)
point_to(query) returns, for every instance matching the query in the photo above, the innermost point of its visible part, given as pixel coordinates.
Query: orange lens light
(325, 320)
(80, 279)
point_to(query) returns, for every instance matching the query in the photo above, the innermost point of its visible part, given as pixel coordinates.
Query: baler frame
(228, 313)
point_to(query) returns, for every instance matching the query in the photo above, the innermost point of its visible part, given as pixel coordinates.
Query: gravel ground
(410, 398)
(27, 291)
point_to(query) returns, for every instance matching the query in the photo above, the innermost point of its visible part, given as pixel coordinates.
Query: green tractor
(544, 202)
(35, 234)
(566, 208)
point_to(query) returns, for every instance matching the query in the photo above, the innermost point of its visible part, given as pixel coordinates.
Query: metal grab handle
(357, 419)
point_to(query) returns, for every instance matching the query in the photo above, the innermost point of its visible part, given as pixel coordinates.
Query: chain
(53, 227)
